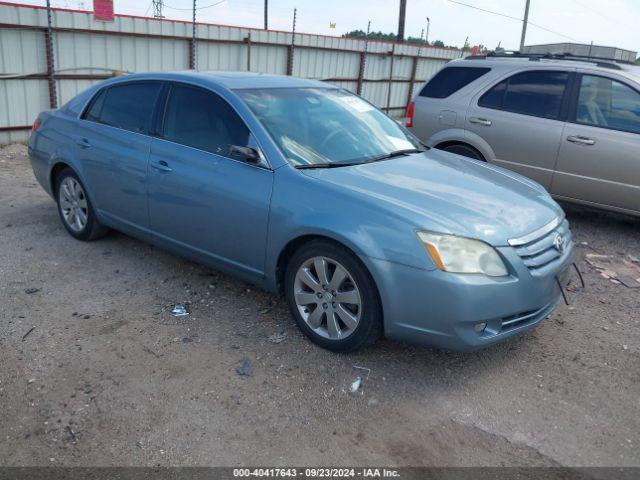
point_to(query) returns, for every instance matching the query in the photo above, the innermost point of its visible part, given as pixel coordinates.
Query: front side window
(129, 107)
(314, 126)
(201, 119)
(451, 79)
(536, 93)
(604, 102)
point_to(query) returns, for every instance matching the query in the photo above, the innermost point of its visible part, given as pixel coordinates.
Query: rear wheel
(75, 209)
(464, 150)
(333, 297)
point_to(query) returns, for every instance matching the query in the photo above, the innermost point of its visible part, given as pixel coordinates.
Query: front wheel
(333, 297)
(75, 209)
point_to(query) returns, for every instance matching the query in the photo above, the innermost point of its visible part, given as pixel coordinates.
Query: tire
(464, 150)
(354, 297)
(75, 209)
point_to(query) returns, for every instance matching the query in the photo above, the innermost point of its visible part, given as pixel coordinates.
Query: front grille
(543, 252)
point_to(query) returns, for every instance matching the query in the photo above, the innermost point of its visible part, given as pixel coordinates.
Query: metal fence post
(248, 40)
(192, 49)
(414, 68)
(293, 42)
(392, 53)
(48, 44)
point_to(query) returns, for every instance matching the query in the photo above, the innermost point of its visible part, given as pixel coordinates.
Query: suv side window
(129, 106)
(201, 119)
(451, 79)
(538, 93)
(604, 102)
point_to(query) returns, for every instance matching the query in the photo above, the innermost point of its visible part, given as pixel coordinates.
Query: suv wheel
(464, 150)
(333, 297)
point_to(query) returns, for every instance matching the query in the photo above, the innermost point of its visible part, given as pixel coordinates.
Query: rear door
(522, 118)
(202, 201)
(436, 108)
(599, 160)
(112, 142)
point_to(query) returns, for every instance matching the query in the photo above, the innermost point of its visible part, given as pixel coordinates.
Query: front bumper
(440, 309)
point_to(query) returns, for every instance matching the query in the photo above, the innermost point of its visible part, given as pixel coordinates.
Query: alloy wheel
(73, 204)
(327, 298)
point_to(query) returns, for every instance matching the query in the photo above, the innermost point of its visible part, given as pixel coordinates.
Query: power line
(514, 18)
(199, 8)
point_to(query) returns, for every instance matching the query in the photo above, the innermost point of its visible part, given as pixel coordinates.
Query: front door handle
(162, 166)
(480, 121)
(83, 143)
(579, 139)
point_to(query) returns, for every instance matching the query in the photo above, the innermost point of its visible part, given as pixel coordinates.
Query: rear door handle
(480, 121)
(579, 139)
(162, 166)
(83, 143)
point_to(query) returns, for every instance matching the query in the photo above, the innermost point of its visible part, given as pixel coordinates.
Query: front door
(521, 118)
(202, 201)
(599, 160)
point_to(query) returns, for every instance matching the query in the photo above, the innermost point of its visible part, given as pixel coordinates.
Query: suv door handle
(162, 166)
(579, 139)
(83, 143)
(480, 121)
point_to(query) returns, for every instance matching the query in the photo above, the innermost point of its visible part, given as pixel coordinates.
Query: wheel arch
(57, 167)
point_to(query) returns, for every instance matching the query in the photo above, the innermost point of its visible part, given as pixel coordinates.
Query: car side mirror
(246, 154)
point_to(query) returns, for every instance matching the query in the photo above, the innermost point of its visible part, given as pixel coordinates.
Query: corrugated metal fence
(85, 51)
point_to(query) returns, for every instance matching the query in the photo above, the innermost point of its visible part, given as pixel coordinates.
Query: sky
(605, 22)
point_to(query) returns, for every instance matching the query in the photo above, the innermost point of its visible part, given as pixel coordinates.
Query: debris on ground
(72, 435)
(245, 369)
(180, 310)
(357, 383)
(364, 369)
(615, 269)
(190, 339)
(277, 337)
(28, 333)
(31, 290)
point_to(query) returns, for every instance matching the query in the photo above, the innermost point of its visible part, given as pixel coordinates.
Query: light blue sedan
(310, 191)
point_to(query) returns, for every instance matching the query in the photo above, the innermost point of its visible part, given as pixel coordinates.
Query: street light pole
(524, 25)
(428, 25)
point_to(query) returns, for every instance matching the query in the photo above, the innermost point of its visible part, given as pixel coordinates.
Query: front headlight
(463, 255)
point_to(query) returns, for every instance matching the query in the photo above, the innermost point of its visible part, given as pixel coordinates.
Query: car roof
(231, 80)
(623, 68)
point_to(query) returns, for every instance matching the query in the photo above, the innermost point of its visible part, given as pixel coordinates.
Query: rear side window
(536, 93)
(129, 107)
(451, 79)
(604, 102)
(201, 119)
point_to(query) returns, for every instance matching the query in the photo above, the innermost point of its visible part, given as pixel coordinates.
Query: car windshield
(327, 127)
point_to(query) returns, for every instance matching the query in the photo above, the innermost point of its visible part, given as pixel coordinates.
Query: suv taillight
(408, 121)
(36, 125)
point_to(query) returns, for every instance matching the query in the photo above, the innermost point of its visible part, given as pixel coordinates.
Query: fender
(463, 136)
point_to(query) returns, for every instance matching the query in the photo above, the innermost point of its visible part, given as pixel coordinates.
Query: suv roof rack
(534, 57)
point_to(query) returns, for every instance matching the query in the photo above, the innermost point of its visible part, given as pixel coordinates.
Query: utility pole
(403, 14)
(524, 25)
(266, 14)
(157, 8)
(51, 64)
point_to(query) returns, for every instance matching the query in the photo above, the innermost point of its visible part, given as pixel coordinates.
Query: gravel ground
(108, 377)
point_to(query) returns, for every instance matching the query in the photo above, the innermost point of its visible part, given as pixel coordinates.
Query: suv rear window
(451, 79)
(538, 93)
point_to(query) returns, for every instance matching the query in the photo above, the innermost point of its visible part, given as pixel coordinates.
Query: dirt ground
(108, 377)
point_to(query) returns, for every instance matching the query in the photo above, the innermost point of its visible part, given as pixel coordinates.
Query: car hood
(443, 192)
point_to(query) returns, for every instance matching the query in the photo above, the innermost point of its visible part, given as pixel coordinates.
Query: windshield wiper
(395, 153)
(327, 165)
